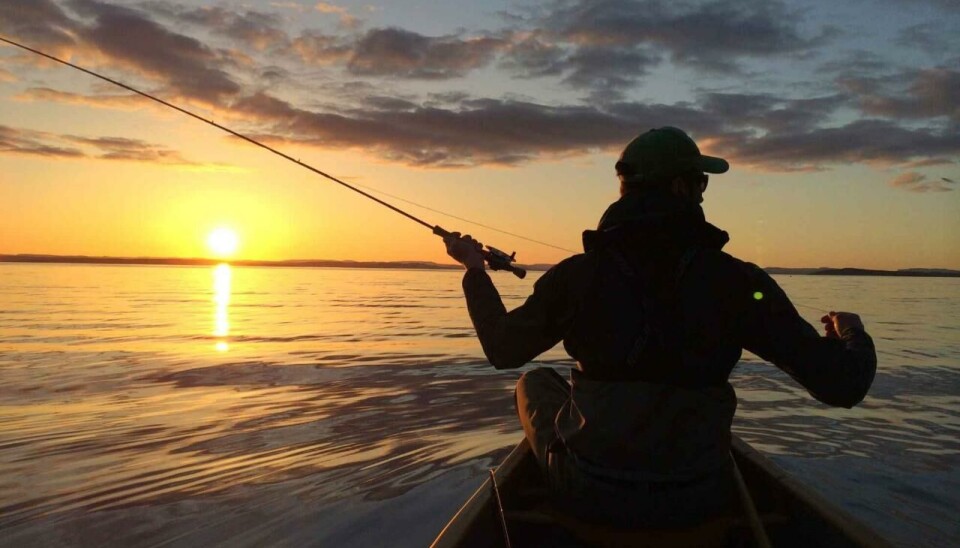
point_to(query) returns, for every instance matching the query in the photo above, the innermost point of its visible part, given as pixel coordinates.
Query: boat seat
(719, 532)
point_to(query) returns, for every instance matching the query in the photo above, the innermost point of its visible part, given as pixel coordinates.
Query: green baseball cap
(664, 153)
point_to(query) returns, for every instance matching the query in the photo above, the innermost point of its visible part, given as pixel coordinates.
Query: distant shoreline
(907, 272)
(178, 261)
(425, 265)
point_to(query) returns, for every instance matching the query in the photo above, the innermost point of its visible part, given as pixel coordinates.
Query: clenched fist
(835, 323)
(465, 250)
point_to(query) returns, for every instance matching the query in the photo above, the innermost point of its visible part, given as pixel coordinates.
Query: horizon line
(410, 263)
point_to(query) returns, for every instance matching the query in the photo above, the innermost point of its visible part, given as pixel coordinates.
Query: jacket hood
(656, 215)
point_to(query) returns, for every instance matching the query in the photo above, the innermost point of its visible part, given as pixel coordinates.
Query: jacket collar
(655, 216)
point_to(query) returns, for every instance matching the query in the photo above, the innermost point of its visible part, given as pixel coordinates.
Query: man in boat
(656, 316)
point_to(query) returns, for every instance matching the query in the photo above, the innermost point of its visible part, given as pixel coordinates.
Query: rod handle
(496, 260)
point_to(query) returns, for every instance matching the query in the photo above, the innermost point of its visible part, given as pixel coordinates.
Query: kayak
(512, 508)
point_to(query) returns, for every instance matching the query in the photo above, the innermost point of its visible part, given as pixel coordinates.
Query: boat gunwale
(458, 525)
(831, 513)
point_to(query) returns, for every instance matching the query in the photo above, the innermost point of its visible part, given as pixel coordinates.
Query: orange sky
(86, 170)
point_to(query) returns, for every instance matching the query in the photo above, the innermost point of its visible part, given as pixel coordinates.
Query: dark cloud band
(604, 48)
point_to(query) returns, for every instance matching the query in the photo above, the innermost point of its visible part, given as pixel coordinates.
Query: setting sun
(223, 242)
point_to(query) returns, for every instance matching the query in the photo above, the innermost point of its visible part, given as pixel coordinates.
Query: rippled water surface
(182, 406)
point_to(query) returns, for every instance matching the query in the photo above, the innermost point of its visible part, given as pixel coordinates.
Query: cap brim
(711, 164)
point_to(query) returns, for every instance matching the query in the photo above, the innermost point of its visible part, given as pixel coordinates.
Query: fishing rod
(496, 259)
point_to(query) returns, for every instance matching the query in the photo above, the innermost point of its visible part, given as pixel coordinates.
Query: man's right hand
(835, 323)
(465, 250)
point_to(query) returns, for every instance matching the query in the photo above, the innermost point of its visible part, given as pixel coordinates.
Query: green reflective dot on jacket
(757, 295)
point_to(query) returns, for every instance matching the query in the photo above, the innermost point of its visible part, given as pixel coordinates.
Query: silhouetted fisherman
(656, 316)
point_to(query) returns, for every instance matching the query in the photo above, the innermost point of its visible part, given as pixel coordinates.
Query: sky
(841, 122)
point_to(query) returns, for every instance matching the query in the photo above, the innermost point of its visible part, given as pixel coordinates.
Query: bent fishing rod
(496, 259)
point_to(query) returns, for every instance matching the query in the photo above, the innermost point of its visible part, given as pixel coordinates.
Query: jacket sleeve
(511, 339)
(837, 372)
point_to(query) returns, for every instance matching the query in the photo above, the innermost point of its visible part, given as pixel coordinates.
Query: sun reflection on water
(221, 298)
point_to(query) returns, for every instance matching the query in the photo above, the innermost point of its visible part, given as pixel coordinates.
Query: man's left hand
(836, 323)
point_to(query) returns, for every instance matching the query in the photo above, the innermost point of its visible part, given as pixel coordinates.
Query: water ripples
(134, 411)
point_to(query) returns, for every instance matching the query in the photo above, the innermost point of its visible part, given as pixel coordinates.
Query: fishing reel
(496, 259)
(499, 260)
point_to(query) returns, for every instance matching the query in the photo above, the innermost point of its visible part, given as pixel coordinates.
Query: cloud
(603, 47)
(863, 141)
(469, 133)
(183, 63)
(933, 38)
(913, 94)
(455, 130)
(52, 145)
(607, 46)
(111, 100)
(856, 63)
(917, 182)
(317, 48)
(396, 53)
(261, 30)
(43, 22)
(703, 34)
(289, 6)
(949, 6)
(346, 19)
(7, 76)
(927, 162)
(381, 102)
(908, 179)
(771, 113)
(608, 71)
(135, 150)
(446, 98)
(401, 53)
(34, 143)
(534, 57)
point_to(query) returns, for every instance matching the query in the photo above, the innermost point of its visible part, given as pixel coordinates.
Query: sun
(223, 242)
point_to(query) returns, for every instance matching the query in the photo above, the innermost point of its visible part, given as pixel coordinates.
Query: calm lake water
(200, 406)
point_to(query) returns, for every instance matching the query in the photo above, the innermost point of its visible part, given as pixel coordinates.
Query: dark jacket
(656, 316)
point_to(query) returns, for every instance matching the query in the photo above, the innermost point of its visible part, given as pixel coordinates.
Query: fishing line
(498, 260)
(808, 307)
(452, 216)
(759, 296)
